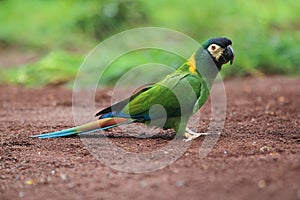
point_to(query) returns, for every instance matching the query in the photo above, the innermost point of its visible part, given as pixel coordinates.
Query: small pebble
(63, 176)
(261, 183)
(281, 99)
(21, 194)
(29, 182)
(179, 183)
(265, 148)
(258, 98)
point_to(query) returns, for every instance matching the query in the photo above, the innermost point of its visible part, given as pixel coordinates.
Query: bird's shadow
(168, 136)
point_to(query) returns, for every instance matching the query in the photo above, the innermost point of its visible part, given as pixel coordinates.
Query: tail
(101, 124)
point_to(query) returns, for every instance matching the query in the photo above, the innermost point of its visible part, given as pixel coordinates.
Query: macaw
(168, 103)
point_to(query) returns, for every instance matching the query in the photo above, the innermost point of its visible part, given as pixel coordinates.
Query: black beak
(229, 54)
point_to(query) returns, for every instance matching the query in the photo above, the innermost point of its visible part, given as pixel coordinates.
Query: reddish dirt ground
(256, 157)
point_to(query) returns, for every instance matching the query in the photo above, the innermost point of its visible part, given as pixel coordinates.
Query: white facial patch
(215, 50)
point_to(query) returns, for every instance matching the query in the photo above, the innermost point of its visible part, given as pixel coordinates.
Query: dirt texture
(256, 157)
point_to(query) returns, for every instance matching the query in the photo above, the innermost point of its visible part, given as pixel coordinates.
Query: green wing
(177, 94)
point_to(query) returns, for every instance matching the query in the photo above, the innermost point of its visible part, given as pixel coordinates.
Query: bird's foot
(190, 135)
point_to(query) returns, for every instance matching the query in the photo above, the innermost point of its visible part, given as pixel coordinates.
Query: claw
(190, 135)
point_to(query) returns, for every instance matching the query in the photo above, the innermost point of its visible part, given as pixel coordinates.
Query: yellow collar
(192, 64)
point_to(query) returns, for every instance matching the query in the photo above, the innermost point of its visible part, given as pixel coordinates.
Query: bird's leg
(185, 132)
(190, 135)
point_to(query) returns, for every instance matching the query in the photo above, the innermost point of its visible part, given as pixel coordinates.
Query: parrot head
(220, 50)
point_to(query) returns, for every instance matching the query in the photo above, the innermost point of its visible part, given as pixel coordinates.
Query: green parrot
(168, 103)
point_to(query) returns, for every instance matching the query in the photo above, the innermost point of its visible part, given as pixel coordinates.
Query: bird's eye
(213, 47)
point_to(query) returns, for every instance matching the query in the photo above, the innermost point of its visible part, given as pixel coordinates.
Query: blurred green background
(58, 34)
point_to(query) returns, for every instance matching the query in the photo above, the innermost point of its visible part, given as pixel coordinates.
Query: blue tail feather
(66, 132)
(74, 131)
